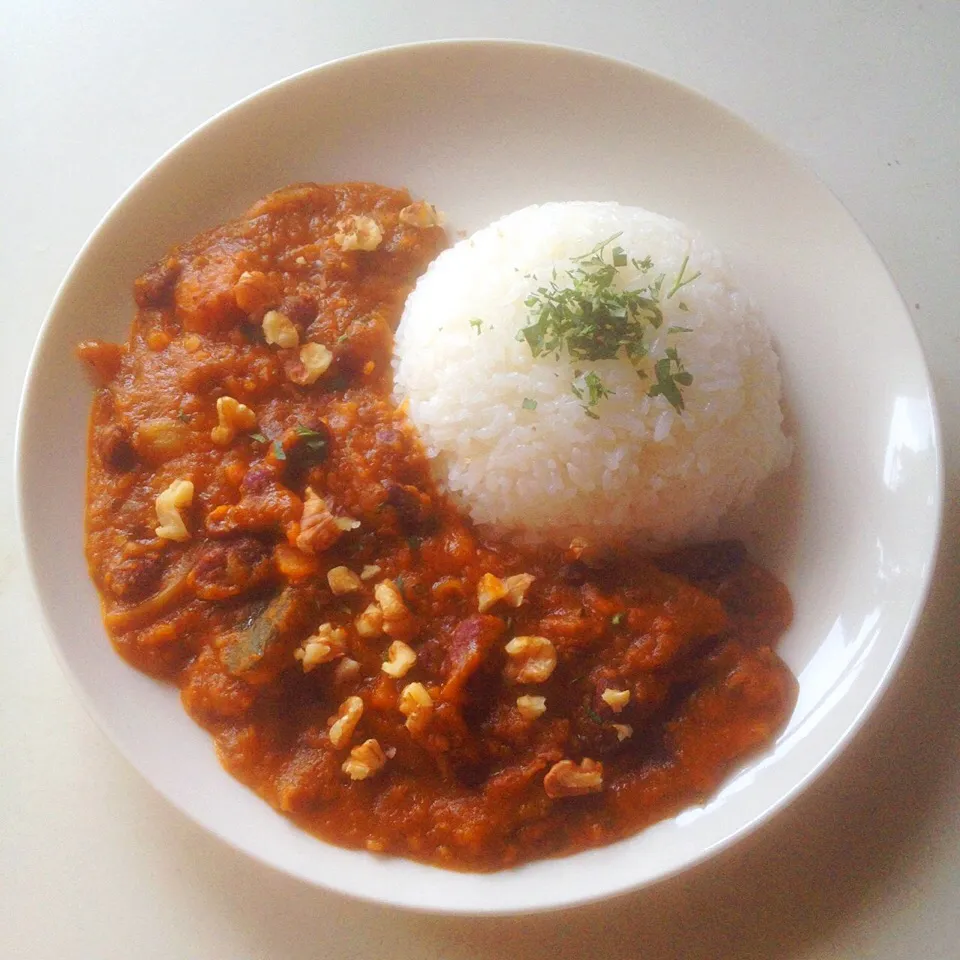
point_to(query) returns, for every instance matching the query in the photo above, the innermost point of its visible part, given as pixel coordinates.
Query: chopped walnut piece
(319, 529)
(623, 730)
(343, 580)
(490, 589)
(346, 669)
(233, 416)
(421, 214)
(517, 587)
(397, 619)
(531, 707)
(364, 761)
(568, 779)
(400, 658)
(369, 571)
(532, 659)
(370, 623)
(178, 496)
(315, 360)
(280, 330)
(358, 233)
(390, 600)
(416, 705)
(616, 700)
(577, 548)
(343, 726)
(327, 644)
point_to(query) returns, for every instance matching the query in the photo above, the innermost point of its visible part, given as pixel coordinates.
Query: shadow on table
(857, 837)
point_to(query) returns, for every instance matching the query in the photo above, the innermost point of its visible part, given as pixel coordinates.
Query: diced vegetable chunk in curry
(265, 532)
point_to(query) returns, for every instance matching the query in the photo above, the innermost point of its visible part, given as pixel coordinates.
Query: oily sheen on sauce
(316, 546)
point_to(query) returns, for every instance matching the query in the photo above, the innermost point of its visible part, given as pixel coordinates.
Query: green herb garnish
(617, 619)
(477, 325)
(588, 387)
(588, 317)
(338, 382)
(529, 404)
(183, 417)
(680, 281)
(278, 452)
(670, 373)
(258, 438)
(315, 443)
(595, 717)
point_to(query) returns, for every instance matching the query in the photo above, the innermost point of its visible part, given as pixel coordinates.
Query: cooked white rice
(641, 471)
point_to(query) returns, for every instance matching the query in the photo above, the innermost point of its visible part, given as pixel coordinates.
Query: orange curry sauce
(657, 673)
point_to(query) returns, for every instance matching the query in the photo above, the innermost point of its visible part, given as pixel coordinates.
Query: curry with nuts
(265, 532)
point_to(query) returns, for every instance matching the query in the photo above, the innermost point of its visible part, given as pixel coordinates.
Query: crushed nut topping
(400, 659)
(568, 779)
(326, 644)
(279, 329)
(346, 524)
(178, 496)
(319, 529)
(532, 659)
(517, 587)
(370, 623)
(345, 722)
(416, 705)
(389, 598)
(397, 619)
(616, 700)
(343, 580)
(315, 360)
(369, 571)
(364, 761)
(577, 548)
(358, 233)
(531, 707)
(421, 214)
(624, 731)
(233, 416)
(491, 590)
(345, 670)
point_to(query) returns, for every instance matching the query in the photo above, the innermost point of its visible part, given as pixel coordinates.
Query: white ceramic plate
(481, 128)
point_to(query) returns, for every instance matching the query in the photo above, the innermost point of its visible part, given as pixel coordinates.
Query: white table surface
(94, 865)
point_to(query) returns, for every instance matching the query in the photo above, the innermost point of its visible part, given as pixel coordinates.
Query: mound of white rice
(642, 471)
